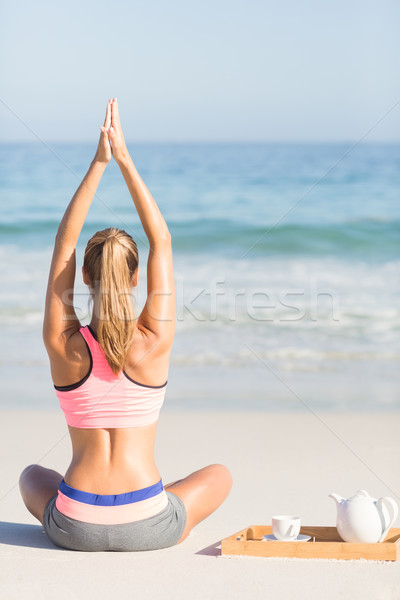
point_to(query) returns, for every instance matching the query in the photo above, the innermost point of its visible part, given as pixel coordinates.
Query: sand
(281, 463)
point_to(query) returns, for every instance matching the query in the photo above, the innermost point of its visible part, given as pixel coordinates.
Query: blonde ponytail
(111, 259)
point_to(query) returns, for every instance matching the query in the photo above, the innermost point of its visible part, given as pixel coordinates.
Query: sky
(209, 70)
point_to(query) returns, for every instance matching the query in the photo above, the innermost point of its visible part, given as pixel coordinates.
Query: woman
(110, 378)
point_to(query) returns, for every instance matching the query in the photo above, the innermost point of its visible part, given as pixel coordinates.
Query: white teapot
(364, 519)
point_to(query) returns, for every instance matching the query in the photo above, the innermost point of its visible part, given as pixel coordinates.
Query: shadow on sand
(34, 536)
(213, 550)
(23, 534)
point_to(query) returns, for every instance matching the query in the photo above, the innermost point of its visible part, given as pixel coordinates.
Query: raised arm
(158, 315)
(60, 320)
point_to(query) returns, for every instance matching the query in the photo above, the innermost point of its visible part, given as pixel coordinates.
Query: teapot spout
(338, 499)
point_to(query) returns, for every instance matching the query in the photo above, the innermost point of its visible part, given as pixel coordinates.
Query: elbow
(166, 235)
(163, 238)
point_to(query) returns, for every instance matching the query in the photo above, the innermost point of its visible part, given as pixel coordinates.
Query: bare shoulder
(69, 344)
(69, 359)
(148, 346)
(148, 359)
(76, 347)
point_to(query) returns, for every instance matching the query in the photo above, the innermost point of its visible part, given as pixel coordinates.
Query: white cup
(286, 527)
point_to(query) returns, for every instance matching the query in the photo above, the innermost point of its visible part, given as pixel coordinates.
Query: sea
(286, 263)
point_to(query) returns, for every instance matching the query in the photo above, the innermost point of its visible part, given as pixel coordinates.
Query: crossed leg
(37, 485)
(202, 492)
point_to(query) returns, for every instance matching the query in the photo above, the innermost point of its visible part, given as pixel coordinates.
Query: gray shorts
(159, 531)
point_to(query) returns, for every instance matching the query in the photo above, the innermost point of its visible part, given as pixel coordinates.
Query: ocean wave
(289, 358)
(362, 237)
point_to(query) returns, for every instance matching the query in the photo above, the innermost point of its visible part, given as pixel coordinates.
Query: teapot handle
(392, 507)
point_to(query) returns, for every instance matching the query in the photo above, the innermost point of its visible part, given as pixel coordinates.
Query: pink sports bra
(103, 399)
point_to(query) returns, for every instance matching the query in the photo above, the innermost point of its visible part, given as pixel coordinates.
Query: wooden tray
(327, 544)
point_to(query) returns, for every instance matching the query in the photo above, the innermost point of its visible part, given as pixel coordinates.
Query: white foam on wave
(327, 308)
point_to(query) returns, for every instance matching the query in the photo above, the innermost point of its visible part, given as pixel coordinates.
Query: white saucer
(272, 538)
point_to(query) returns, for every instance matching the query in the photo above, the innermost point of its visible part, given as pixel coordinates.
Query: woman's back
(112, 420)
(112, 461)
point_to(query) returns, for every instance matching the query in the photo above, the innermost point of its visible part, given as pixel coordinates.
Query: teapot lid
(361, 495)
